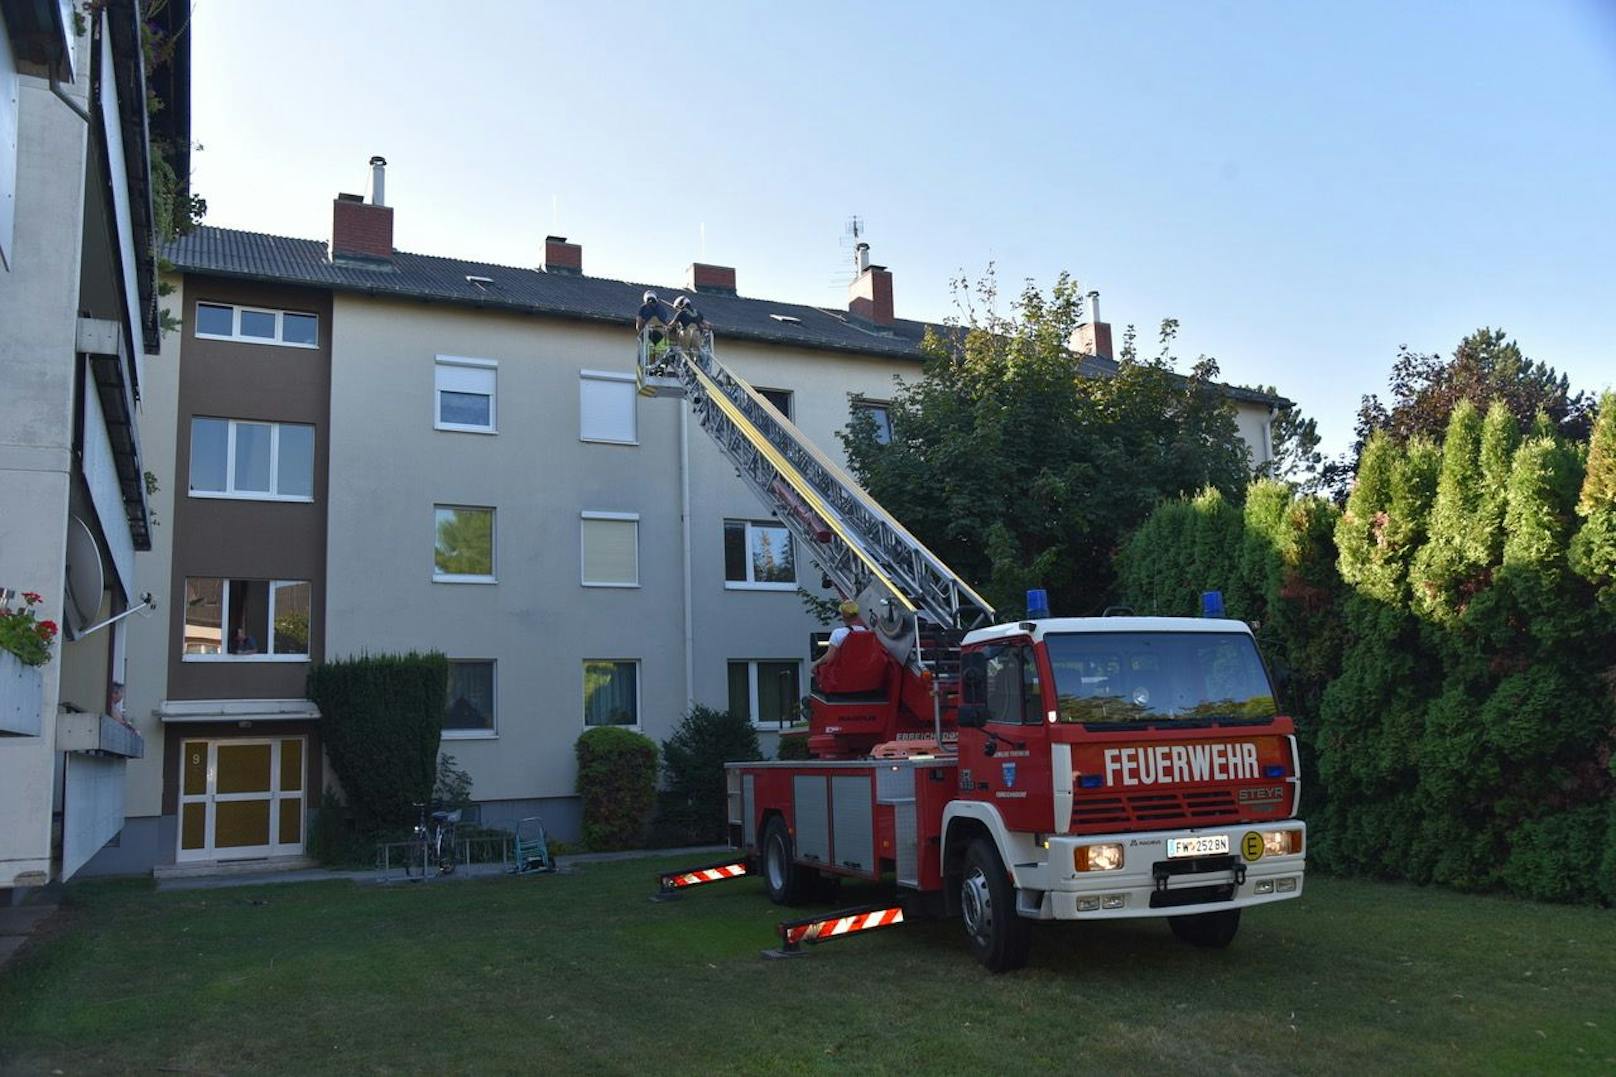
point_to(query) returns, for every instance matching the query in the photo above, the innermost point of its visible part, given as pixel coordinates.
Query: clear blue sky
(1304, 186)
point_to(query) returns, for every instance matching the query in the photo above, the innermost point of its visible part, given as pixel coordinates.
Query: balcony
(97, 734)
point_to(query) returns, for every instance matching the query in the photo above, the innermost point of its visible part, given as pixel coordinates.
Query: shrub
(693, 760)
(452, 788)
(333, 839)
(617, 776)
(793, 745)
(382, 720)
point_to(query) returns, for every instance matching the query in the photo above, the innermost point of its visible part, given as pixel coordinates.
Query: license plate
(1207, 845)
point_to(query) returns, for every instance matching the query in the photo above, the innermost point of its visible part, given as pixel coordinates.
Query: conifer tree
(1446, 567)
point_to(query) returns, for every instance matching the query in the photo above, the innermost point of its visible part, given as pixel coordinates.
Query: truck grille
(1154, 809)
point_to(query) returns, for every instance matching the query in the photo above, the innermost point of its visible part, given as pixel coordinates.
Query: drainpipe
(78, 110)
(684, 544)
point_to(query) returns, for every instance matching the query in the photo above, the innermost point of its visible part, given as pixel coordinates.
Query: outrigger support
(795, 934)
(671, 882)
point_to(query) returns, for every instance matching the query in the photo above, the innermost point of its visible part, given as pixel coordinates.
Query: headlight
(1104, 857)
(1281, 842)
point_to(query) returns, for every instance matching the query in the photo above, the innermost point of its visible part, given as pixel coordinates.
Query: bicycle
(433, 843)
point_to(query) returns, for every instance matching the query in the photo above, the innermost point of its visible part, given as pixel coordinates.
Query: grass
(581, 974)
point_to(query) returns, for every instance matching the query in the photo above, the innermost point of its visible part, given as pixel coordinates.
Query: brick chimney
(360, 229)
(1093, 337)
(714, 280)
(869, 297)
(563, 257)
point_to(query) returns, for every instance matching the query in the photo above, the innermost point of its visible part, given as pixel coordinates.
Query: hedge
(695, 807)
(381, 718)
(1461, 641)
(617, 779)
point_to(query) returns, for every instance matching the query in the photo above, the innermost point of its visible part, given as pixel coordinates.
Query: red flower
(47, 630)
(32, 598)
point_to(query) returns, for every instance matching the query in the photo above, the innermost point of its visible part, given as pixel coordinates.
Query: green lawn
(582, 974)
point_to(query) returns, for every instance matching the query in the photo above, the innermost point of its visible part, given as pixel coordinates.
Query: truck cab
(1119, 767)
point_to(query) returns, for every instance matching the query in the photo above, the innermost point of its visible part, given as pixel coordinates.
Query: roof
(227, 252)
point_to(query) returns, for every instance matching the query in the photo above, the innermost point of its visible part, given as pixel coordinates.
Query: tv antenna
(853, 230)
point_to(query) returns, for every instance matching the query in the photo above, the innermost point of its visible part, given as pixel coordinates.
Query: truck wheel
(998, 937)
(786, 883)
(1214, 930)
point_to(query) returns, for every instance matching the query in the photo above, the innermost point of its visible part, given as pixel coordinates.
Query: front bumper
(1149, 883)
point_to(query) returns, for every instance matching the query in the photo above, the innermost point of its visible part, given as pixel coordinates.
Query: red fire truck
(1049, 768)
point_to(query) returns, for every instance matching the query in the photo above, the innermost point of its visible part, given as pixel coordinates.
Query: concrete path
(17, 922)
(466, 871)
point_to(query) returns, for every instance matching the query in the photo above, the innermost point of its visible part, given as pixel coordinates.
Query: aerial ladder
(915, 605)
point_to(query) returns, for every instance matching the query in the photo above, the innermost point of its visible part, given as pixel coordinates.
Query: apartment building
(377, 451)
(78, 314)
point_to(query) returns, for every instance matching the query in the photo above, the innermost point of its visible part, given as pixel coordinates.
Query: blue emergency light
(1037, 603)
(1211, 603)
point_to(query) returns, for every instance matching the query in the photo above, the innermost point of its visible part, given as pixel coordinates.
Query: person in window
(850, 624)
(242, 642)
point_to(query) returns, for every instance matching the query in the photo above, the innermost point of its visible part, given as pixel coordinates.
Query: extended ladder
(914, 602)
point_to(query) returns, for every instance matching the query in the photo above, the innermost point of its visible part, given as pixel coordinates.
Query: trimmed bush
(694, 809)
(382, 722)
(793, 746)
(617, 778)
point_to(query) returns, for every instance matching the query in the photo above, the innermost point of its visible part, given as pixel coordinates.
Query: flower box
(22, 697)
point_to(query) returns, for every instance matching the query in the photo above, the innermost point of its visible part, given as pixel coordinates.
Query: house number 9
(196, 757)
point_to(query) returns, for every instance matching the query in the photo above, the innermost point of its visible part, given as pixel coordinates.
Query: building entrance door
(241, 799)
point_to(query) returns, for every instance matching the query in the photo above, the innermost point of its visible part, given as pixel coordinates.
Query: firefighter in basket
(653, 323)
(689, 329)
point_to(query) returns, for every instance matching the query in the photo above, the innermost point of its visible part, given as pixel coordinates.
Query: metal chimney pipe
(1094, 308)
(378, 181)
(861, 257)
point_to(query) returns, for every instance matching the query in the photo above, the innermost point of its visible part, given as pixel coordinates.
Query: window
(464, 548)
(1013, 687)
(463, 394)
(471, 698)
(765, 692)
(780, 398)
(611, 692)
(758, 555)
(246, 620)
(1158, 677)
(611, 549)
(254, 461)
(257, 325)
(877, 411)
(607, 408)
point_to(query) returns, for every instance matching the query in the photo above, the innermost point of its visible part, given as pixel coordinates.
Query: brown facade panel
(237, 538)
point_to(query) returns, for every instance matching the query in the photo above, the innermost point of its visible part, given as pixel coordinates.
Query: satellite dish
(85, 578)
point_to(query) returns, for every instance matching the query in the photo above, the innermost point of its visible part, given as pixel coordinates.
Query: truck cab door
(1004, 742)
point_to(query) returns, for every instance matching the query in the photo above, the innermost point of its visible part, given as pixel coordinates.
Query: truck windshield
(1120, 677)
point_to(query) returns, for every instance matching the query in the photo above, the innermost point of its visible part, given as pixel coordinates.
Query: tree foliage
(617, 778)
(1019, 470)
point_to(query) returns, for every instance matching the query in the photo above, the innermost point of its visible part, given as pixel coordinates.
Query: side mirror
(973, 710)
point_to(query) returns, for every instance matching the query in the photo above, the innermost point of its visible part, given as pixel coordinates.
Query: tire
(1213, 930)
(998, 937)
(445, 852)
(786, 882)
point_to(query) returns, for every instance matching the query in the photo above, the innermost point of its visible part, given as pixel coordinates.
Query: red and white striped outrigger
(795, 934)
(670, 883)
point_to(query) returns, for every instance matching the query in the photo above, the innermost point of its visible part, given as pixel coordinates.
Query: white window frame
(750, 584)
(752, 708)
(493, 546)
(441, 361)
(224, 654)
(492, 732)
(639, 692)
(210, 799)
(235, 325)
(606, 375)
(633, 517)
(231, 494)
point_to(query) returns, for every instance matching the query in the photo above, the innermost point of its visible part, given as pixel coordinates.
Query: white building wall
(38, 313)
